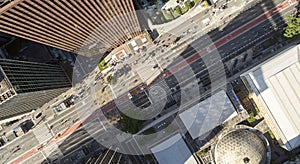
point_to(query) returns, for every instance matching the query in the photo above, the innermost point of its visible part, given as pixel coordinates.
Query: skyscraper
(25, 86)
(71, 25)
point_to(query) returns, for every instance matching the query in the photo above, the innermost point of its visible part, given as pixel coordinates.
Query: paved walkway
(172, 4)
(178, 21)
(200, 13)
(220, 42)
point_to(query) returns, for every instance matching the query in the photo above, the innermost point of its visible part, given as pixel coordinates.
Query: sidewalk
(178, 21)
(199, 13)
(47, 109)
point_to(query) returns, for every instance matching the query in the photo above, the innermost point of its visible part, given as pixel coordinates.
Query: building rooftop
(173, 151)
(208, 114)
(6, 89)
(240, 146)
(276, 82)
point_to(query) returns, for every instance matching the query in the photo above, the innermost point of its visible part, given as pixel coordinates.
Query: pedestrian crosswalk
(42, 133)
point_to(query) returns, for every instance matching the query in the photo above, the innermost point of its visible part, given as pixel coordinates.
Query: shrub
(251, 117)
(177, 10)
(168, 15)
(185, 9)
(102, 65)
(130, 125)
(192, 4)
(188, 4)
(293, 28)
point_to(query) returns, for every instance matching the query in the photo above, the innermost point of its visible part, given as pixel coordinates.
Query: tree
(130, 125)
(178, 10)
(293, 28)
(112, 80)
(188, 4)
(167, 14)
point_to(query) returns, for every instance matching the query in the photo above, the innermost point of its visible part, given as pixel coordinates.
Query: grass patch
(102, 65)
(130, 125)
(203, 152)
(251, 117)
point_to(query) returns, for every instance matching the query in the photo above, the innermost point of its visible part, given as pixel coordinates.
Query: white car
(129, 95)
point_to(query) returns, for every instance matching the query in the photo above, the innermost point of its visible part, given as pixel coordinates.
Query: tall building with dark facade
(25, 86)
(71, 25)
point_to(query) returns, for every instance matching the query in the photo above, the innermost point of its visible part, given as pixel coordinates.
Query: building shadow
(80, 147)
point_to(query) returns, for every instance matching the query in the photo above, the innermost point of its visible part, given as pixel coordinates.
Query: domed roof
(240, 147)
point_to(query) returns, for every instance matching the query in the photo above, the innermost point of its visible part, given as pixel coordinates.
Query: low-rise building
(274, 86)
(208, 114)
(174, 150)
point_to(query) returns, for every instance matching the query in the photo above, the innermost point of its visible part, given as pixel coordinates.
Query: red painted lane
(252, 23)
(70, 130)
(25, 156)
(195, 57)
(175, 68)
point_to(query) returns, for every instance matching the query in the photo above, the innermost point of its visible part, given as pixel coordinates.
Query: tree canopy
(130, 125)
(293, 27)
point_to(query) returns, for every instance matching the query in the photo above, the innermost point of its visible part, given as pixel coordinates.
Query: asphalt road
(17, 147)
(249, 34)
(263, 29)
(225, 49)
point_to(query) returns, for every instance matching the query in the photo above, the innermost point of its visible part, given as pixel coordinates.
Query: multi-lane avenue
(239, 39)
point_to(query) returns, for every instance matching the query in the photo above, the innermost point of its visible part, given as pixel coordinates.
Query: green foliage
(192, 4)
(293, 28)
(184, 9)
(188, 4)
(102, 65)
(149, 158)
(206, 5)
(177, 10)
(251, 117)
(130, 125)
(112, 80)
(152, 2)
(149, 131)
(203, 152)
(271, 135)
(168, 15)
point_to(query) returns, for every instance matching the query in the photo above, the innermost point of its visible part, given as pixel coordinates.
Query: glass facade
(34, 84)
(30, 77)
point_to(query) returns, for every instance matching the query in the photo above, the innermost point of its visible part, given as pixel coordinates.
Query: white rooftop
(208, 114)
(277, 84)
(173, 151)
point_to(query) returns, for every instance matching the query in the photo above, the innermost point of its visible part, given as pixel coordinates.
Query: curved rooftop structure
(274, 85)
(240, 147)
